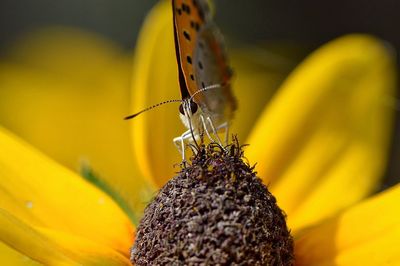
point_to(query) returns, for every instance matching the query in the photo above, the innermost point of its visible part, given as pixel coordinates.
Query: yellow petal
(323, 140)
(366, 234)
(155, 79)
(42, 193)
(52, 247)
(9, 256)
(258, 72)
(66, 92)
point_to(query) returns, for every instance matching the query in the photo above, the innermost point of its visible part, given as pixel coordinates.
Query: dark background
(308, 23)
(311, 21)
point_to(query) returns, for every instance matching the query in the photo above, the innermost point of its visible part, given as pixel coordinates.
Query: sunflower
(320, 141)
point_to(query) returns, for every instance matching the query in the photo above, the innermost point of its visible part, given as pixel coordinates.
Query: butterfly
(208, 103)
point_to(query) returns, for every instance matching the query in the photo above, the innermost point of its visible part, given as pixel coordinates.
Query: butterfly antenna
(210, 87)
(151, 107)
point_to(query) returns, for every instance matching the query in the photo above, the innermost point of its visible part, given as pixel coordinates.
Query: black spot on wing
(186, 8)
(201, 14)
(194, 25)
(186, 35)
(189, 59)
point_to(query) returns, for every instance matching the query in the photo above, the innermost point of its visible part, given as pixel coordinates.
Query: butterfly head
(188, 107)
(189, 112)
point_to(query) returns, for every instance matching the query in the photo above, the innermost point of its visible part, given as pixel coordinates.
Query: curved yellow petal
(52, 247)
(366, 234)
(323, 140)
(155, 79)
(42, 193)
(9, 256)
(258, 72)
(66, 92)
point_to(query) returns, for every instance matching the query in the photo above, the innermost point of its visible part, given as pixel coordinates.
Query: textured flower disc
(214, 212)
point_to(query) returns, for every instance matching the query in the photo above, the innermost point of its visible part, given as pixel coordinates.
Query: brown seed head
(214, 212)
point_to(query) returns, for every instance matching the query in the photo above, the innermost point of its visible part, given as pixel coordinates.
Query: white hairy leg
(180, 142)
(214, 130)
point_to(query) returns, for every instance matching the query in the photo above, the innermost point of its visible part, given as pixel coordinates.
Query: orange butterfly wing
(188, 19)
(201, 57)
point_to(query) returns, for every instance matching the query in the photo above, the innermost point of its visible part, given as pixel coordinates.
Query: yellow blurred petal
(323, 140)
(52, 247)
(66, 92)
(366, 234)
(9, 256)
(258, 72)
(42, 193)
(71, 53)
(155, 79)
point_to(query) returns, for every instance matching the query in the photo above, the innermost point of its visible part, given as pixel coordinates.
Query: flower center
(216, 211)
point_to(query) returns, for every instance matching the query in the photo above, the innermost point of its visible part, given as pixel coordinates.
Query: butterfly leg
(226, 127)
(214, 130)
(205, 128)
(180, 142)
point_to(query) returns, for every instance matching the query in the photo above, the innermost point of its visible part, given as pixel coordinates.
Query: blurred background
(309, 21)
(289, 29)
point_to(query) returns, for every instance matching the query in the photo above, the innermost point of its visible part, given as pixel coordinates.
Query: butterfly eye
(193, 107)
(181, 109)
